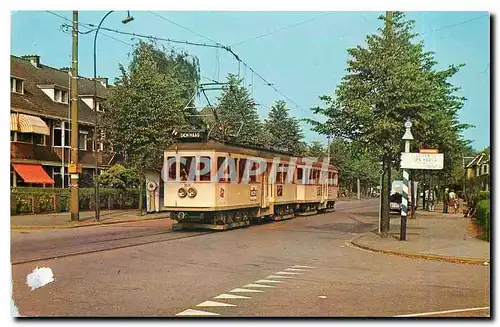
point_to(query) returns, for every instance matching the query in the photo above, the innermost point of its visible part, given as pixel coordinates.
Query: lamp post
(404, 205)
(126, 20)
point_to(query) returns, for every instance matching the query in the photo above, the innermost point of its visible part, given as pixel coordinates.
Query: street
(298, 267)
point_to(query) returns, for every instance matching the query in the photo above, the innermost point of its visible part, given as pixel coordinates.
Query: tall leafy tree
(389, 79)
(148, 102)
(237, 113)
(283, 130)
(316, 149)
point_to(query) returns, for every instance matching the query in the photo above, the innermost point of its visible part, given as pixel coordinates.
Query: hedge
(38, 200)
(483, 217)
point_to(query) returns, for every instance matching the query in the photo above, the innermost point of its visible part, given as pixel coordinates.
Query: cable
(84, 26)
(456, 24)
(183, 27)
(281, 29)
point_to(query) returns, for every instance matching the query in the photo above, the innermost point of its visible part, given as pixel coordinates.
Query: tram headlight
(191, 192)
(181, 192)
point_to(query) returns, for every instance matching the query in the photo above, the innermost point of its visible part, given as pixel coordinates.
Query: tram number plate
(253, 193)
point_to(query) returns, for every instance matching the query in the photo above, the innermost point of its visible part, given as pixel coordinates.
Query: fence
(26, 200)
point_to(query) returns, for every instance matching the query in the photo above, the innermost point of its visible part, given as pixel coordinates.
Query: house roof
(479, 159)
(35, 101)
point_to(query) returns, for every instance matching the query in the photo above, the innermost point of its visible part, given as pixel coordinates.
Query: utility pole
(404, 205)
(74, 169)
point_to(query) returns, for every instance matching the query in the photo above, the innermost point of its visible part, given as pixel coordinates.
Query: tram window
(172, 169)
(253, 177)
(330, 178)
(204, 165)
(300, 174)
(281, 176)
(185, 166)
(220, 163)
(241, 169)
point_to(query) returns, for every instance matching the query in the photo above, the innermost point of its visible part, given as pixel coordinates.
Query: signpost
(426, 159)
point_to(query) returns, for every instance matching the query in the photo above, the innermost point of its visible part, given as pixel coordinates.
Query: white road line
(215, 304)
(273, 276)
(268, 281)
(231, 296)
(257, 285)
(306, 267)
(294, 269)
(244, 290)
(191, 312)
(287, 273)
(442, 312)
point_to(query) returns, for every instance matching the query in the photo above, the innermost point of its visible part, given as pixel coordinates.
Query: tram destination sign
(431, 161)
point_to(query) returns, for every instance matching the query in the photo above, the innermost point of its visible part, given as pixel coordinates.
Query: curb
(416, 255)
(16, 228)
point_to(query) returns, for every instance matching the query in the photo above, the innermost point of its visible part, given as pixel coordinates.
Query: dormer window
(17, 85)
(60, 96)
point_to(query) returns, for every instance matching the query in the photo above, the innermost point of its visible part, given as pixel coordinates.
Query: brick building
(40, 125)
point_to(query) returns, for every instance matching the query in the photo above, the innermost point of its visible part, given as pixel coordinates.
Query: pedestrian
(452, 202)
(445, 200)
(431, 200)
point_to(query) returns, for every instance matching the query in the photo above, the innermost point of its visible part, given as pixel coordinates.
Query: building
(479, 167)
(40, 125)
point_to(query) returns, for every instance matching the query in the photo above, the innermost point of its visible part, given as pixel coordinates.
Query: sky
(303, 54)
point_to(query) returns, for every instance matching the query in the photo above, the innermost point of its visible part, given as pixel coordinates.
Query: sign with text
(422, 160)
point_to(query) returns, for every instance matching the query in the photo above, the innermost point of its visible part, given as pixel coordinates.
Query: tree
(147, 103)
(119, 177)
(389, 80)
(237, 113)
(316, 149)
(282, 130)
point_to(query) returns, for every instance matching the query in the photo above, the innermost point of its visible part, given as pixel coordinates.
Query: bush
(483, 217)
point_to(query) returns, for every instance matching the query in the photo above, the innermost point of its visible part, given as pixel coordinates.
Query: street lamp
(126, 20)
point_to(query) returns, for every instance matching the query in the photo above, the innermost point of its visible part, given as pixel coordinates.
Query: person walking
(445, 200)
(452, 202)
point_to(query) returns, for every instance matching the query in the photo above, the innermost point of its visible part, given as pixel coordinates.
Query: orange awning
(33, 173)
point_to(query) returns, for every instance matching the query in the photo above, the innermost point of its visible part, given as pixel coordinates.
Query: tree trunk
(139, 209)
(384, 212)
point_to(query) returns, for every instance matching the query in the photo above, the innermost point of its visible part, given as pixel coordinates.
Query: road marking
(244, 290)
(257, 285)
(231, 296)
(287, 273)
(215, 304)
(191, 312)
(442, 312)
(268, 281)
(306, 267)
(294, 269)
(273, 276)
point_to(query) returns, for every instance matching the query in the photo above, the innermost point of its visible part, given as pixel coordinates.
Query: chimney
(103, 81)
(34, 59)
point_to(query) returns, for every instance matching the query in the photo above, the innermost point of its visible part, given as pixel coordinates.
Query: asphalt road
(175, 272)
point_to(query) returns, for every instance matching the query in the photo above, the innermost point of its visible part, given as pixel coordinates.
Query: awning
(33, 173)
(28, 124)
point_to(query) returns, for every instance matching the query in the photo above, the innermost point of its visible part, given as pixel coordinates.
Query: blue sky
(302, 61)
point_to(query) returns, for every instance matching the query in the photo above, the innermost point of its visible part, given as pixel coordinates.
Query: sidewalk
(63, 220)
(432, 235)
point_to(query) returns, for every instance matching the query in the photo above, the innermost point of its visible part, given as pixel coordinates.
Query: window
(485, 169)
(25, 137)
(204, 166)
(82, 141)
(185, 167)
(58, 178)
(227, 169)
(58, 137)
(281, 175)
(60, 96)
(13, 136)
(172, 168)
(98, 106)
(300, 175)
(17, 85)
(241, 169)
(253, 176)
(39, 139)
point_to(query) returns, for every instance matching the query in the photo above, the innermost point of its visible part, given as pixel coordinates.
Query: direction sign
(422, 161)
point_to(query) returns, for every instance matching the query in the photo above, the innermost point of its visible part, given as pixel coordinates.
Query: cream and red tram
(212, 184)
